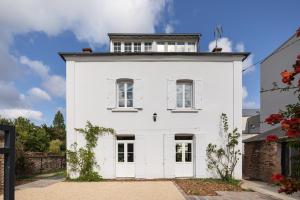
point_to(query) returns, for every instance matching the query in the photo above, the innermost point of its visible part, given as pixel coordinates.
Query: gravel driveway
(127, 190)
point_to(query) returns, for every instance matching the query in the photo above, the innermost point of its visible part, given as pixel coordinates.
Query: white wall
(86, 100)
(272, 102)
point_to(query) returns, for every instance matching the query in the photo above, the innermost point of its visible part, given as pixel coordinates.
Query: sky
(32, 32)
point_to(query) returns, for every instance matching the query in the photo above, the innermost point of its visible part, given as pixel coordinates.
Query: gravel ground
(146, 190)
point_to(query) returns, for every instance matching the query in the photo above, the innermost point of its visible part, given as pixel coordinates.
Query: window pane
(179, 91)
(178, 157)
(117, 47)
(148, 46)
(127, 47)
(188, 95)
(130, 147)
(188, 157)
(121, 102)
(120, 148)
(121, 95)
(178, 148)
(129, 103)
(191, 47)
(120, 157)
(137, 47)
(129, 87)
(130, 157)
(188, 147)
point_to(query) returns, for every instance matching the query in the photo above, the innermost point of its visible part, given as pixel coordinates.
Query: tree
(55, 146)
(223, 159)
(289, 120)
(59, 129)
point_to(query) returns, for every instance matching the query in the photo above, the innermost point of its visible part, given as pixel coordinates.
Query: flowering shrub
(290, 123)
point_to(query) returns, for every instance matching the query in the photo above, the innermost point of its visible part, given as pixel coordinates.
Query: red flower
(287, 77)
(298, 32)
(277, 177)
(293, 133)
(271, 138)
(297, 69)
(298, 57)
(274, 119)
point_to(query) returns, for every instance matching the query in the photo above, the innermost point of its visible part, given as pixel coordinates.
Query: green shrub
(54, 146)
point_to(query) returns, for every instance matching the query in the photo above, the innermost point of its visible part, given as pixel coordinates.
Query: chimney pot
(87, 50)
(217, 50)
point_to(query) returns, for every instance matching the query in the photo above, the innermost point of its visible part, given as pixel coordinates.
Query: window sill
(124, 110)
(184, 110)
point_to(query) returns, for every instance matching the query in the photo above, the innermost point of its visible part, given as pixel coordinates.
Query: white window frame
(126, 46)
(191, 47)
(117, 47)
(163, 44)
(125, 82)
(147, 47)
(137, 47)
(173, 45)
(180, 44)
(184, 83)
(183, 144)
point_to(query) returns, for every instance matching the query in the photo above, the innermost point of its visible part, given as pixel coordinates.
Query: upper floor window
(117, 47)
(160, 47)
(191, 47)
(137, 47)
(127, 47)
(184, 92)
(180, 47)
(148, 46)
(125, 93)
(171, 46)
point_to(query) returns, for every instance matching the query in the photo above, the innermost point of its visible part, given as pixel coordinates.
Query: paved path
(110, 190)
(234, 196)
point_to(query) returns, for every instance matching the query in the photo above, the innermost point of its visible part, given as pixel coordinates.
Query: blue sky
(32, 77)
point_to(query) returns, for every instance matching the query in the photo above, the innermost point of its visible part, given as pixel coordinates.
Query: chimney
(217, 50)
(87, 50)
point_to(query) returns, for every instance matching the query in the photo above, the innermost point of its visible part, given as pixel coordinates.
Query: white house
(163, 97)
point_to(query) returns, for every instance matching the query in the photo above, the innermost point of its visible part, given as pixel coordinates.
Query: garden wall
(37, 162)
(261, 160)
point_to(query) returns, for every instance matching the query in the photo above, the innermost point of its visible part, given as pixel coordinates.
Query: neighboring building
(163, 97)
(250, 124)
(262, 159)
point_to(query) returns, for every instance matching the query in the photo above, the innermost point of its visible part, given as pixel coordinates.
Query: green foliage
(83, 160)
(223, 159)
(54, 146)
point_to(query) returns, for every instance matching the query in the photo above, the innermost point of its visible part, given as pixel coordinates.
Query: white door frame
(184, 168)
(125, 169)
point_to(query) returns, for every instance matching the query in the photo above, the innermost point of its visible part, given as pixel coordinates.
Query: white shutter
(171, 99)
(111, 93)
(138, 93)
(198, 94)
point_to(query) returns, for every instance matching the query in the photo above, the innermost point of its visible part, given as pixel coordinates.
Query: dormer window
(127, 47)
(148, 46)
(191, 47)
(171, 46)
(117, 47)
(137, 47)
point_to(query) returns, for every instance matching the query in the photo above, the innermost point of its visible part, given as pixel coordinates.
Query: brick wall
(261, 160)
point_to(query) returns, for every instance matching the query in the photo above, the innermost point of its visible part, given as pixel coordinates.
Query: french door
(125, 166)
(184, 158)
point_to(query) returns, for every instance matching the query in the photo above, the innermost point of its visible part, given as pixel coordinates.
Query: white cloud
(54, 84)
(10, 96)
(245, 92)
(20, 112)
(169, 28)
(224, 43)
(37, 94)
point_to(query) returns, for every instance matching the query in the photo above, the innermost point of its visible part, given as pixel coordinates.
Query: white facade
(150, 146)
(281, 59)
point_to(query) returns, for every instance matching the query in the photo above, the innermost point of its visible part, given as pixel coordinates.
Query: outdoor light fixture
(154, 117)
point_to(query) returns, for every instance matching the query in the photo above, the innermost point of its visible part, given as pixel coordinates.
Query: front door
(125, 158)
(183, 158)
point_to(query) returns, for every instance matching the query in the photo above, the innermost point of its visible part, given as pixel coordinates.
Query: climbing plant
(223, 159)
(82, 161)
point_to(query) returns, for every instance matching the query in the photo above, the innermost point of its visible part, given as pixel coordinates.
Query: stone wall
(261, 160)
(38, 162)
